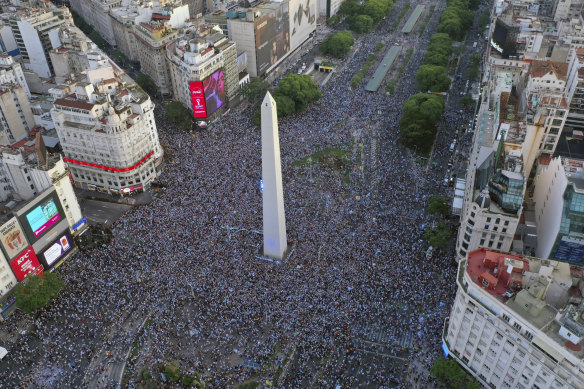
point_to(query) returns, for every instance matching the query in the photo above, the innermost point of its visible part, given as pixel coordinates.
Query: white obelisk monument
(275, 243)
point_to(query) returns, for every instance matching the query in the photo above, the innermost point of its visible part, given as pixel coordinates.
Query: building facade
(517, 322)
(108, 134)
(151, 41)
(96, 14)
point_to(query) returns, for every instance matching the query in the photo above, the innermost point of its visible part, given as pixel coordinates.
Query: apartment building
(107, 131)
(204, 54)
(517, 321)
(36, 31)
(96, 14)
(151, 41)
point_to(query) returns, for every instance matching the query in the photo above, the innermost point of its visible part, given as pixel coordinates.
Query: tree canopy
(448, 372)
(438, 236)
(432, 78)
(255, 89)
(420, 114)
(456, 19)
(36, 291)
(360, 23)
(301, 89)
(179, 115)
(439, 50)
(437, 205)
(147, 84)
(337, 45)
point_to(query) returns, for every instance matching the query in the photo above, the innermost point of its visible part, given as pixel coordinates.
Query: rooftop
(541, 68)
(545, 293)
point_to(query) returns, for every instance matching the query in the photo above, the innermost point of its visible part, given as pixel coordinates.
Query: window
(517, 326)
(528, 335)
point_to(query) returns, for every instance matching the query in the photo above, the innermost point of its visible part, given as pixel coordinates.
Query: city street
(356, 303)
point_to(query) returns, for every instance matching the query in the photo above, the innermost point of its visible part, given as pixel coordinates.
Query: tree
(36, 291)
(420, 113)
(300, 89)
(360, 23)
(255, 90)
(467, 101)
(437, 205)
(337, 45)
(484, 19)
(449, 373)
(147, 84)
(350, 7)
(375, 9)
(179, 115)
(432, 78)
(438, 236)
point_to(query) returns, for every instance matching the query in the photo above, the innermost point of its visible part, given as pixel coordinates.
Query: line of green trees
(420, 113)
(432, 75)
(363, 16)
(457, 18)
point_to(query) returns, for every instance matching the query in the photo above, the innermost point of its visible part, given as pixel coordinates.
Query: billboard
(214, 88)
(504, 39)
(25, 264)
(7, 278)
(56, 251)
(40, 216)
(12, 238)
(272, 34)
(302, 21)
(198, 99)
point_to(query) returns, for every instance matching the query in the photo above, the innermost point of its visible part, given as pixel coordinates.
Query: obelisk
(275, 243)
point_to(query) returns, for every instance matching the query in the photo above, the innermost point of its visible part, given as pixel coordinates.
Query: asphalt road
(102, 212)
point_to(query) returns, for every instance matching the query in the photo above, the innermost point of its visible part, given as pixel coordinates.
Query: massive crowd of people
(190, 263)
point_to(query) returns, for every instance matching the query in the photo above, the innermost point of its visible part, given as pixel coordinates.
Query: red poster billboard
(25, 263)
(198, 99)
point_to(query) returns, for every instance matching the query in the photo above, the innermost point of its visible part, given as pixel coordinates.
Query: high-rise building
(107, 131)
(151, 41)
(16, 118)
(36, 31)
(11, 73)
(96, 14)
(206, 55)
(517, 321)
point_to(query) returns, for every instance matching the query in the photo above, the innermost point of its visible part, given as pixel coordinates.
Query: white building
(517, 322)
(198, 55)
(36, 32)
(96, 14)
(108, 132)
(11, 73)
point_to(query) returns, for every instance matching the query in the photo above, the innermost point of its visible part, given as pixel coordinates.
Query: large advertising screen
(12, 238)
(26, 263)
(272, 37)
(214, 88)
(302, 21)
(40, 216)
(56, 251)
(43, 216)
(198, 99)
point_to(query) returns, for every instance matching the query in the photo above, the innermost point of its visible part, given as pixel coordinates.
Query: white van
(3, 352)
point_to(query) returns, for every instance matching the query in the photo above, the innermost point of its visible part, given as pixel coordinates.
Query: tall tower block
(275, 243)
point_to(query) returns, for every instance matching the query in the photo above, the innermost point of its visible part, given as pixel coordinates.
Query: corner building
(517, 322)
(108, 134)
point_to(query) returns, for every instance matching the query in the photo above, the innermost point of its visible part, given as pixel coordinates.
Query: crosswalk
(394, 336)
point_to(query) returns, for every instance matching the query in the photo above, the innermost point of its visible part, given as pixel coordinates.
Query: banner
(198, 99)
(13, 238)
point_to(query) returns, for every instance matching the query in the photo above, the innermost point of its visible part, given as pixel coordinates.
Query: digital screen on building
(43, 216)
(26, 263)
(40, 216)
(56, 251)
(272, 37)
(214, 88)
(198, 99)
(302, 21)
(504, 39)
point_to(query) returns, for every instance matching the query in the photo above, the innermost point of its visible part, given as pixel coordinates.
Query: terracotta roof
(74, 104)
(541, 68)
(110, 81)
(494, 271)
